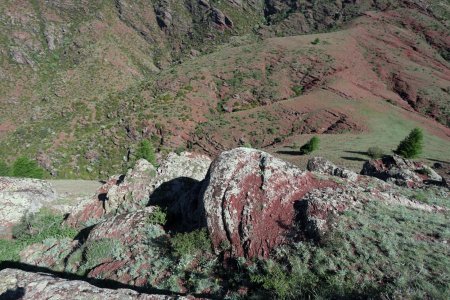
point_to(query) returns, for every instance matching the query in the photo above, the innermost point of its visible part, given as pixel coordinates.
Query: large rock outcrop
(18, 197)
(141, 186)
(18, 284)
(402, 172)
(248, 200)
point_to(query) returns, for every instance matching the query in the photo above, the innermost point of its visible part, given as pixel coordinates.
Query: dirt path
(75, 188)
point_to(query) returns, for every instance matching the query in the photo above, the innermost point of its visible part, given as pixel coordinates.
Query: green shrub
(276, 280)
(310, 146)
(146, 151)
(5, 170)
(412, 145)
(191, 242)
(298, 90)
(24, 167)
(316, 41)
(158, 216)
(375, 152)
(34, 228)
(101, 250)
(9, 250)
(37, 227)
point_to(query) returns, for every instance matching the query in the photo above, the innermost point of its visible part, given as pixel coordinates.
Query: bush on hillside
(412, 145)
(24, 167)
(375, 152)
(158, 216)
(5, 170)
(146, 151)
(37, 227)
(191, 242)
(310, 146)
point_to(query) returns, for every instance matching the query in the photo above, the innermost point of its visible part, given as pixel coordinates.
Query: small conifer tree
(412, 145)
(146, 151)
(24, 167)
(310, 146)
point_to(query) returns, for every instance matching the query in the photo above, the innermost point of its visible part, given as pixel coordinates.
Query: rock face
(248, 199)
(18, 284)
(321, 165)
(144, 185)
(401, 171)
(19, 197)
(125, 241)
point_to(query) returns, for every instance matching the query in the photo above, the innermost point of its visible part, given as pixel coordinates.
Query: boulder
(402, 172)
(248, 200)
(143, 185)
(18, 284)
(91, 209)
(323, 166)
(222, 20)
(21, 196)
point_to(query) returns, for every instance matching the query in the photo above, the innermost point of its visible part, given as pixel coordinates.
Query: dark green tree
(146, 151)
(5, 170)
(24, 167)
(412, 145)
(310, 146)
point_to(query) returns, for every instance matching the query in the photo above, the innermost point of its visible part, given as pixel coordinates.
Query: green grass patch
(33, 229)
(191, 242)
(377, 251)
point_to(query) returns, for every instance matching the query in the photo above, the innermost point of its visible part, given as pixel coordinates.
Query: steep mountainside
(83, 82)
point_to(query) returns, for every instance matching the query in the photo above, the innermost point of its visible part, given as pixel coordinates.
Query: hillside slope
(85, 83)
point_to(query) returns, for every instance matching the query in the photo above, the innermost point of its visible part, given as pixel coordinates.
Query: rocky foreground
(246, 204)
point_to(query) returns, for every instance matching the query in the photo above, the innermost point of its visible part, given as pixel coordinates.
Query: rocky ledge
(17, 284)
(247, 201)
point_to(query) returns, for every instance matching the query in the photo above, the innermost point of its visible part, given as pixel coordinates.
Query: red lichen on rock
(249, 199)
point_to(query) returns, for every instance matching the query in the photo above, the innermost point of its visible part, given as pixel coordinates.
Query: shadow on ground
(353, 158)
(357, 152)
(289, 152)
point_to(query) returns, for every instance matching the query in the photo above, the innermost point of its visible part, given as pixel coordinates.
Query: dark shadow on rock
(169, 192)
(83, 234)
(290, 152)
(352, 158)
(100, 283)
(102, 197)
(13, 294)
(120, 180)
(300, 220)
(179, 197)
(81, 237)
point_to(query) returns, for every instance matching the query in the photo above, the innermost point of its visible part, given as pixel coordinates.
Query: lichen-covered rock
(20, 196)
(133, 191)
(321, 165)
(128, 244)
(248, 200)
(319, 208)
(18, 284)
(144, 185)
(50, 253)
(401, 171)
(128, 248)
(91, 209)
